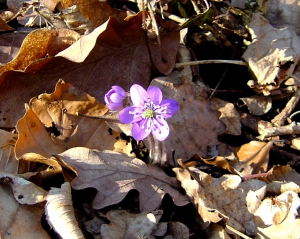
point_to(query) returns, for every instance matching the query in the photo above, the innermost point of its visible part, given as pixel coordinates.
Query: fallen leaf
(3, 26)
(17, 218)
(272, 55)
(114, 175)
(257, 104)
(126, 225)
(232, 195)
(253, 157)
(60, 213)
(24, 191)
(38, 44)
(178, 230)
(113, 54)
(50, 125)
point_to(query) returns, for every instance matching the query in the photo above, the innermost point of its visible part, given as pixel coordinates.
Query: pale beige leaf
(229, 116)
(8, 161)
(24, 191)
(125, 225)
(60, 212)
(273, 54)
(253, 157)
(218, 198)
(114, 175)
(16, 219)
(257, 104)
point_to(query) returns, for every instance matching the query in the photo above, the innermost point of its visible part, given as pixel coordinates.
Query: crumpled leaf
(253, 157)
(3, 26)
(193, 119)
(273, 54)
(24, 191)
(125, 225)
(50, 125)
(257, 104)
(114, 175)
(17, 218)
(229, 116)
(114, 53)
(60, 212)
(232, 195)
(38, 44)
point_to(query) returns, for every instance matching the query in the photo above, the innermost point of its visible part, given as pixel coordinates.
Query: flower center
(148, 113)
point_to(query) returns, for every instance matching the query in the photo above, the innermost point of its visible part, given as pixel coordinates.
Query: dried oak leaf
(195, 126)
(125, 225)
(114, 175)
(113, 54)
(18, 220)
(39, 44)
(273, 54)
(60, 213)
(50, 124)
(3, 26)
(227, 196)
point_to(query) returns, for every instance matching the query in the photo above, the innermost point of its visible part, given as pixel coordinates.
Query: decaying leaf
(114, 175)
(3, 26)
(253, 157)
(39, 44)
(273, 54)
(50, 125)
(24, 191)
(257, 104)
(16, 219)
(232, 196)
(113, 54)
(126, 225)
(60, 212)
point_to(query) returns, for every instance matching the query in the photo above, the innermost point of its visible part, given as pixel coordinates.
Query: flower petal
(137, 132)
(160, 129)
(130, 115)
(138, 94)
(115, 106)
(155, 94)
(119, 90)
(172, 107)
(116, 98)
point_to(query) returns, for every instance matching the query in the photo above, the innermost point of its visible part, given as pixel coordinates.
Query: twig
(278, 131)
(280, 119)
(196, 8)
(193, 63)
(108, 117)
(237, 232)
(170, 16)
(258, 175)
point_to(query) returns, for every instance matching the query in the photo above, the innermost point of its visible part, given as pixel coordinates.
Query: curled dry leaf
(113, 54)
(257, 104)
(232, 194)
(273, 54)
(39, 44)
(50, 125)
(114, 175)
(195, 126)
(60, 213)
(3, 26)
(17, 220)
(253, 157)
(229, 116)
(125, 225)
(24, 191)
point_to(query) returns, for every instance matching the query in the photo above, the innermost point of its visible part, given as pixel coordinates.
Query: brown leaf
(113, 54)
(253, 157)
(16, 219)
(127, 225)
(195, 126)
(38, 44)
(231, 193)
(114, 175)
(50, 125)
(3, 26)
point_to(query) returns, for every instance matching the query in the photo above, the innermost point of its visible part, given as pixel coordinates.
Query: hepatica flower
(114, 98)
(148, 113)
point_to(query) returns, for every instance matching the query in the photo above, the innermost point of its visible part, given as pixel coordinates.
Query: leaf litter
(237, 163)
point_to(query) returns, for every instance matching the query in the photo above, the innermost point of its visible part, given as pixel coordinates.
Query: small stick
(170, 16)
(258, 175)
(181, 164)
(237, 232)
(109, 117)
(193, 63)
(196, 8)
(278, 131)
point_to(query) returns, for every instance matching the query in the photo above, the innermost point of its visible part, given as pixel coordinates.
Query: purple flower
(148, 113)
(114, 98)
